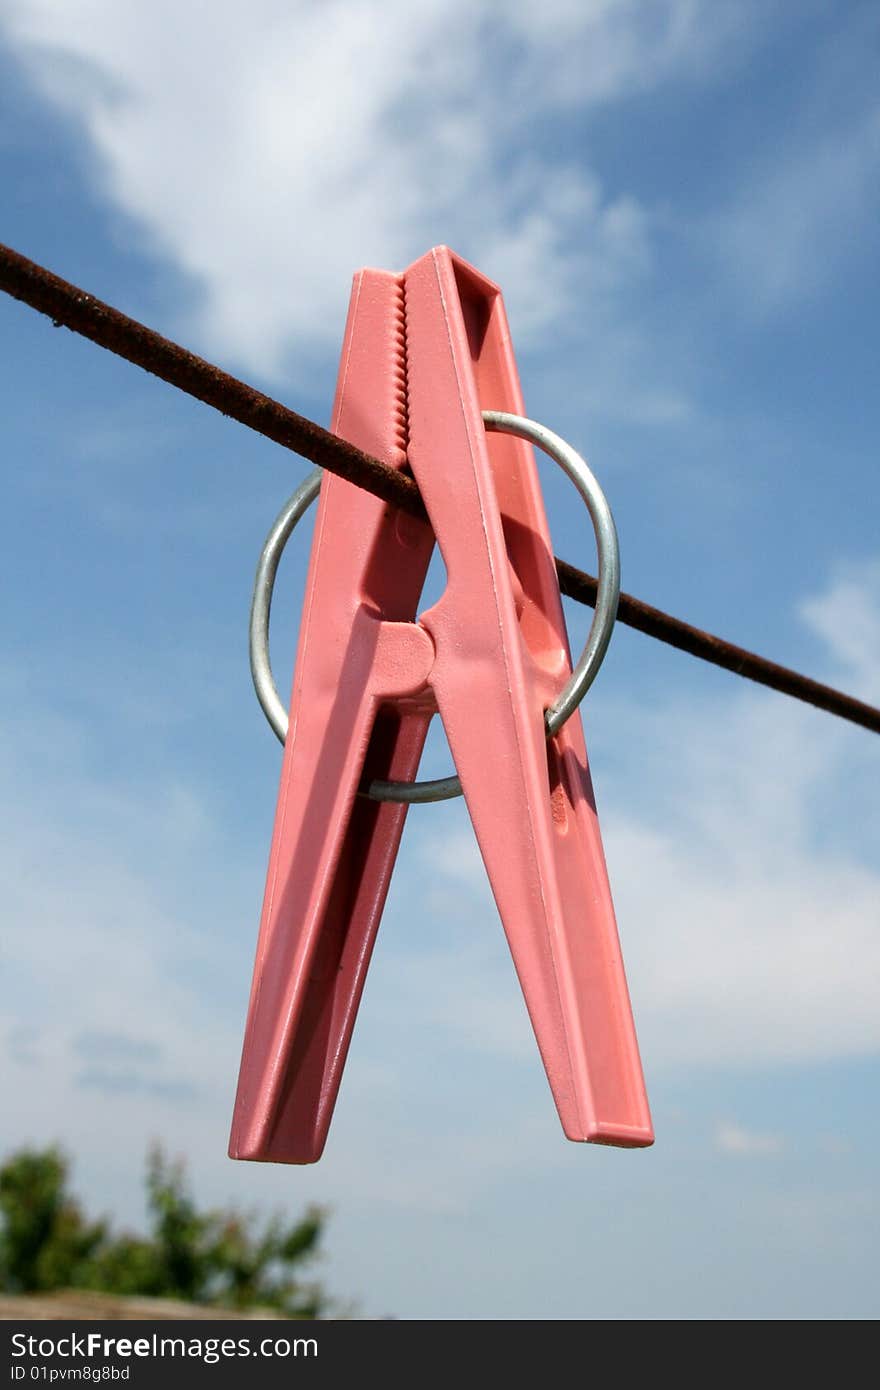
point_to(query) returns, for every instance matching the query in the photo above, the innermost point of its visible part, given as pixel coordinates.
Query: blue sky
(680, 202)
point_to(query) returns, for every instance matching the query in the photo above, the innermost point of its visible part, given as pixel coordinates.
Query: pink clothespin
(425, 353)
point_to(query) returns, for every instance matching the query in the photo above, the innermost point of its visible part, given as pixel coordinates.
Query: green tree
(220, 1258)
(45, 1241)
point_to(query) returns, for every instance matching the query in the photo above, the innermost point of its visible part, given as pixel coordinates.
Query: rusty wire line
(73, 308)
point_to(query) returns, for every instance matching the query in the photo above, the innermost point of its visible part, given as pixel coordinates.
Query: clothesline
(73, 308)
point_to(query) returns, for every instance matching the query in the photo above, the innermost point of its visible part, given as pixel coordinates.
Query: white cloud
(847, 618)
(93, 943)
(269, 151)
(734, 1139)
(753, 936)
(750, 926)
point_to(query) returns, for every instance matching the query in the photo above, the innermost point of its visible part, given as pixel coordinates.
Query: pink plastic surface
(425, 352)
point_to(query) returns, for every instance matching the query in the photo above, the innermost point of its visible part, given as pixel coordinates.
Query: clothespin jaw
(333, 851)
(425, 353)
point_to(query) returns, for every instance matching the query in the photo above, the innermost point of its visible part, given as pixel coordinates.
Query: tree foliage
(220, 1258)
